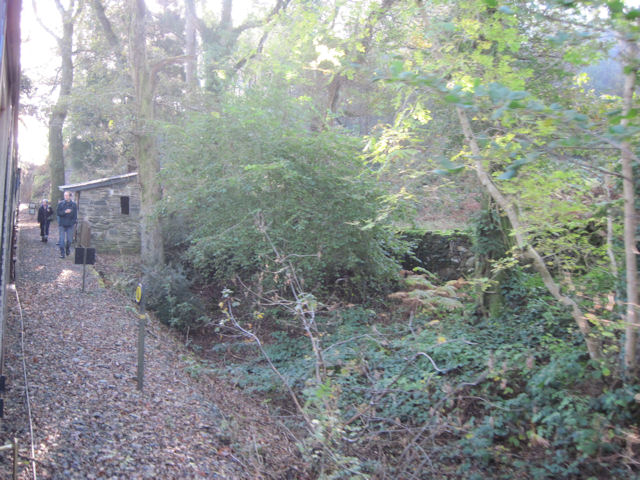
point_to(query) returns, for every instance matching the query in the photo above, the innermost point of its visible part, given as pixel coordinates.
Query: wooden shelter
(111, 206)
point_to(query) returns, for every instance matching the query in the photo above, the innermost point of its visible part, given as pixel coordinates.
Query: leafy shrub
(256, 170)
(168, 294)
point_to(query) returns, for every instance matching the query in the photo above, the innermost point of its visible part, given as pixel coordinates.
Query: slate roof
(101, 182)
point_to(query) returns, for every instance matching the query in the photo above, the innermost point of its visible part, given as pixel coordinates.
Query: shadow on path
(89, 419)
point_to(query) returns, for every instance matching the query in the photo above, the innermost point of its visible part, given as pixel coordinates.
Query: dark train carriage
(9, 173)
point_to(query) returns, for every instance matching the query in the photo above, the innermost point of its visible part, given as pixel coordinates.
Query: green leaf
(615, 6)
(576, 116)
(452, 98)
(449, 167)
(396, 67)
(536, 106)
(447, 26)
(633, 14)
(518, 95)
(498, 113)
(512, 170)
(406, 75)
(508, 174)
(498, 93)
(559, 38)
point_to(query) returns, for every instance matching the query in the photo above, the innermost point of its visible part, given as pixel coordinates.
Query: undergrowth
(427, 393)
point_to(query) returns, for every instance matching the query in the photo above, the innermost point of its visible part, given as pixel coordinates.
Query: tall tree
(144, 79)
(190, 66)
(69, 16)
(631, 58)
(107, 28)
(220, 42)
(486, 61)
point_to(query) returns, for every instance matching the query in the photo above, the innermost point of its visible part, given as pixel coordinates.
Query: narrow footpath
(89, 419)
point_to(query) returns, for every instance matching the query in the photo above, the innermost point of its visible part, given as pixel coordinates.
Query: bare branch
(256, 340)
(42, 24)
(279, 6)
(156, 67)
(159, 65)
(79, 8)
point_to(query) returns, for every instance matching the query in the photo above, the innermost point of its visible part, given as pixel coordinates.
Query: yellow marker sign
(139, 293)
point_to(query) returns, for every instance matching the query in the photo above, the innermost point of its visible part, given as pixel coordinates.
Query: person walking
(58, 221)
(45, 214)
(68, 214)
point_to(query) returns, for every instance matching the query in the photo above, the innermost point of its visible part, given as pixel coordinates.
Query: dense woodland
(291, 163)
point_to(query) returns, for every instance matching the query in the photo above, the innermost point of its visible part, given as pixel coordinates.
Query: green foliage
(511, 395)
(168, 294)
(250, 168)
(489, 239)
(514, 395)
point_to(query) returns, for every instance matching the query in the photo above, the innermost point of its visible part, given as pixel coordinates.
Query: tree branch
(111, 37)
(42, 24)
(76, 14)
(593, 346)
(279, 6)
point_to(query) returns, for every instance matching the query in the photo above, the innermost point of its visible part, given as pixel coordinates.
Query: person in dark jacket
(58, 221)
(45, 214)
(68, 213)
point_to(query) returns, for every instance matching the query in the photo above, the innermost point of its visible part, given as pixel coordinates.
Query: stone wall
(447, 254)
(111, 230)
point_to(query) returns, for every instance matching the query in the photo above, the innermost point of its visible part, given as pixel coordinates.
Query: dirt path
(89, 419)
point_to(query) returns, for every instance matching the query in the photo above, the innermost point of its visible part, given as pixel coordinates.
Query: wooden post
(142, 323)
(84, 267)
(15, 459)
(84, 237)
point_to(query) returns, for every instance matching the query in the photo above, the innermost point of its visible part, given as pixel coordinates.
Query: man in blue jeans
(68, 217)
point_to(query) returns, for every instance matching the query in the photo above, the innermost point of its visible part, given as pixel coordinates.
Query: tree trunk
(59, 112)
(111, 37)
(613, 264)
(593, 346)
(628, 192)
(56, 151)
(152, 246)
(494, 230)
(226, 22)
(190, 46)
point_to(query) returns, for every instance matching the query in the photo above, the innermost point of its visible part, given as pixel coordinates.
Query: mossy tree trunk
(630, 248)
(152, 245)
(59, 111)
(591, 341)
(190, 68)
(491, 243)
